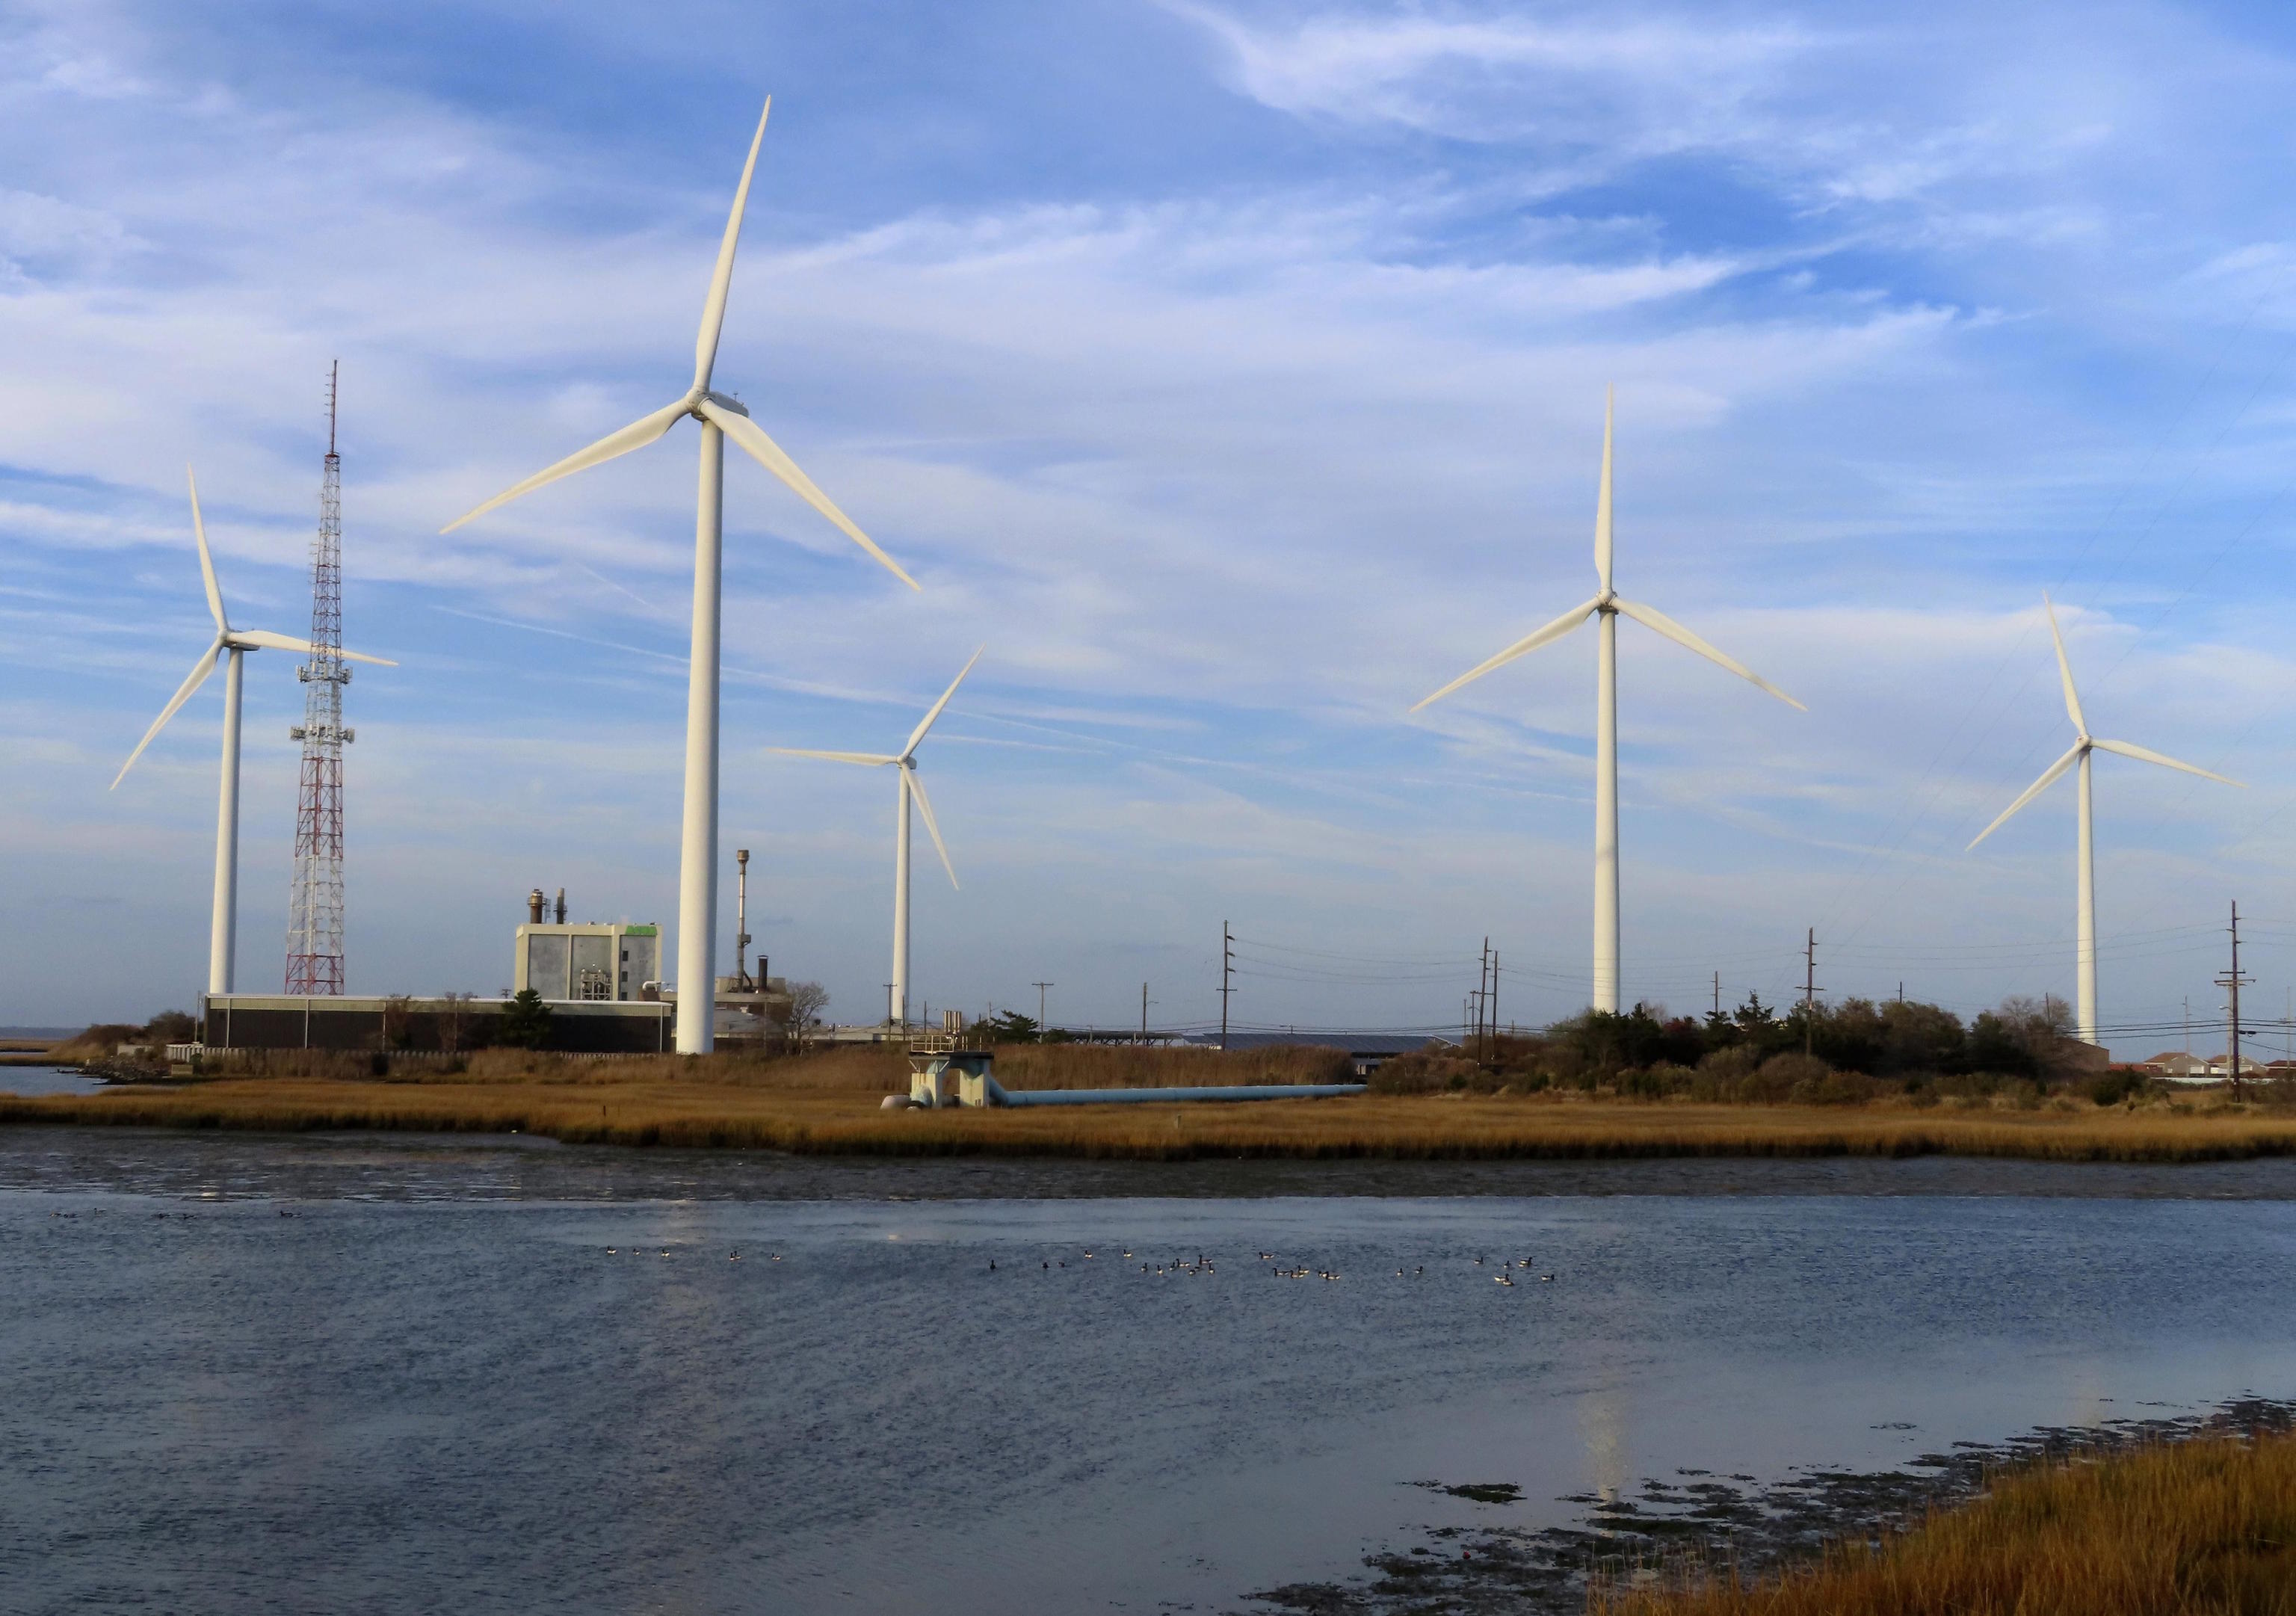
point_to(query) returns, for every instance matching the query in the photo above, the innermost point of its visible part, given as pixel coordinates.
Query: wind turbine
(911, 786)
(1606, 607)
(721, 417)
(223, 925)
(2084, 865)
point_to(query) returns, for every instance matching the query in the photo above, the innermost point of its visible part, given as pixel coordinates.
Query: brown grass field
(2201, 1526)
(828, 1103)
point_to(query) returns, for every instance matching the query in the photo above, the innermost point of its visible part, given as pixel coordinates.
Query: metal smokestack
(742, 919)
(562, 906)
(534, 907)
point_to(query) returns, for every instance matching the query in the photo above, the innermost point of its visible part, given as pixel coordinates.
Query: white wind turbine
(1606, 607)
(2085, 873)
(223, 923)
(911, 786)
(721, 417)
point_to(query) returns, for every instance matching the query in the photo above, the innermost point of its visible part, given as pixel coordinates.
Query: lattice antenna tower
(315, 918)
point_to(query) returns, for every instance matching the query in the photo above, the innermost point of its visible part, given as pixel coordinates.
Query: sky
(1234, 374)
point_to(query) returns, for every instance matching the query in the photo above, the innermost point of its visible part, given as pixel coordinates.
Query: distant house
(2177, 1066)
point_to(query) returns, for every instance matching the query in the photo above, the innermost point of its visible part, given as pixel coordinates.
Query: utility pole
(1495, 1004)
(1228, 969)
(1809, 995)
(1718, 995)
(888, 1004)
(1483, 1000)
(1040, 987)
(2188, 1023)
(1143, 1012)
(2230, 981)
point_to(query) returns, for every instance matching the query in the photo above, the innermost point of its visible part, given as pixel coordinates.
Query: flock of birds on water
(1177, 1265)
(1202, 1264)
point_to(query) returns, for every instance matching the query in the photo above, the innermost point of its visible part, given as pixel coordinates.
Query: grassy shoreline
(728, 1107)
(2205, 1524)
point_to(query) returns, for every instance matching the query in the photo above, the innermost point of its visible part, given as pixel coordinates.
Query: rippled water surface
(392, 1375)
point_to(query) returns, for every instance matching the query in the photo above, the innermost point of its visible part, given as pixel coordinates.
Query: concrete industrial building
(602, 980)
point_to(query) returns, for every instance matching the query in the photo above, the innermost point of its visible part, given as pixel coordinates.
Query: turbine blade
(918, 734)
(207, 561)
(635, 435)
(1650, 617)
(2065, 669)
(799, 751)
(1524, 646)
(1602, 500)
(2047, 779)
(199, 674)
(924, 806)
(768, 454)
(2145, 755)
(713, 308)
(250, 638)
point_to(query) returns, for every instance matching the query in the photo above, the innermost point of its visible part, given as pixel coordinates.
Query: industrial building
(585, 963)
(602, 980)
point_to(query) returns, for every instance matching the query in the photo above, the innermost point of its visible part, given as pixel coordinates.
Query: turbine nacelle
(2084, 743)
(226, 639)
(912, 786)
(1608, 602)
(706, 405)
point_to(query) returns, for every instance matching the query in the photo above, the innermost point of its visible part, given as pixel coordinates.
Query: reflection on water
(229, 1387)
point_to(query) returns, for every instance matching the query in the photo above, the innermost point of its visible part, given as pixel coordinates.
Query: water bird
(1505, 1279)
(1546, 1279)
(733, 1257)
(992, 1265)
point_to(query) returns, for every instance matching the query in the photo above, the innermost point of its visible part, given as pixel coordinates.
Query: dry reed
(2205, 1525)
(828, 1104)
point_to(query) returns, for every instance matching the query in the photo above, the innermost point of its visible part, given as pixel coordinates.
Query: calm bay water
(508, 1377)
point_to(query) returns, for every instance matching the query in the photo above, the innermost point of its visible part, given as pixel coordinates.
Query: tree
(798, 1012)
(1011, 1028)
(526, 1024)
(398, 1021)
(452, 1008)
(170, 1026)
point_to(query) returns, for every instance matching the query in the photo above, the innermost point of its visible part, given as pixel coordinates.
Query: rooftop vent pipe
(534, 907)
(562, 906)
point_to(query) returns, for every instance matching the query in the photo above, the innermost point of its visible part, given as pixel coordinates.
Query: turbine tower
(721, 417)
(223, 922)
(912, 785)
(2084, 861)
(314, 908)
(1606, 608)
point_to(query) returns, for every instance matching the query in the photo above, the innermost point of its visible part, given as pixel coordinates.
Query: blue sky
(1234, 372)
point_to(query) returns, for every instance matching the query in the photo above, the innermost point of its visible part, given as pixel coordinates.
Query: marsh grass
(828, 1103)
(2203, 1525)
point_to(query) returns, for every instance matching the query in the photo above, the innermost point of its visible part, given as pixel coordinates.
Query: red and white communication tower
(315, 919)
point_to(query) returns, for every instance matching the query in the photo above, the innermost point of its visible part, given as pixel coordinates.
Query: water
(434, 1386)
(47, 1080)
